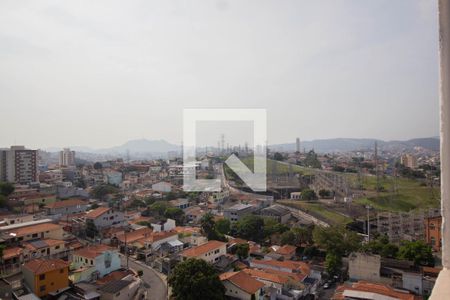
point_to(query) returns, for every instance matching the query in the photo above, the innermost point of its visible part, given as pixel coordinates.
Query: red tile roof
(12, 252)
(267, 276)
(135, 235)
(66, 203)
(287, 264)
(376, 288)
(242, 280)
(41, 266)
(94, 214)
(92, 251)
(286, 250)
(202, 249)
(23, 231)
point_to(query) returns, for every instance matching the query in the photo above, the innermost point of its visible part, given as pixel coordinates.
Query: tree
(278, 156)
(308, 194)
(100, 191)
(336, 240)
(208, 224)
(158, 208)
(176, 214)
(288, 238)
(3, 201)
(196, 279)
(98, 166)
(242, 250)
(418, 252)
(324, 193)
(271, 226)
(6, 188)
(333, 263)
(312, 160)
(223, 226)
(251, 228)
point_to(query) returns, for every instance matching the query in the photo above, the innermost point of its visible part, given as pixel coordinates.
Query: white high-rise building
(18, 165)
(67, 157)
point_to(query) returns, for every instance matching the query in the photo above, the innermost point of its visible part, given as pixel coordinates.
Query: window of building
(42, 288)
(42, 277)
(61, 271)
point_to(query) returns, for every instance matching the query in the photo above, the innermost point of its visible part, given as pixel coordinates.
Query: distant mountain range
(349, 144)
(142, 148)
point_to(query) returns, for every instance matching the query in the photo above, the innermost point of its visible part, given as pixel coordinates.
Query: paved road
(156, 287)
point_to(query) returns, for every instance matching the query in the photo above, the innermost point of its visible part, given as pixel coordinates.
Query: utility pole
(368, 207)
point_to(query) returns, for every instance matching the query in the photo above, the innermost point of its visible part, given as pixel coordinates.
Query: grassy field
(281, 168)
(318, 210)
(401, 194)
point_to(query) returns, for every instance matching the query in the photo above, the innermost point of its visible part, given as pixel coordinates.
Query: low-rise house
(122, 289)
(271, 281)
(277, 212)
(194, 214)
(369, 290)
(46, 276)
(103, 217)
(94, 262)
(44, 248)
(240, 285)
(167, 225)
(181, 203)
(43, 229)
(288, 266)
(237, 211)
(66, 207)
(363, 266)
(162, 187)
(16, 219)
(210, 251)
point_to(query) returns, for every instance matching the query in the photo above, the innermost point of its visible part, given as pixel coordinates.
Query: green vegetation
(223, 226)
(242, 251)
(196, 279)
(257, 229)
(308, 194)
(102, 190)
(297, 236)
(337, 242)
(209, 228)
(318, 210)
(418, 252)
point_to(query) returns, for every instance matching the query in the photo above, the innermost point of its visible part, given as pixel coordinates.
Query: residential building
(94, 262)
(181, 203)
(42, 229)
(236, 212)
(46, 276)
(210, 251)
(167, 225)
(162, 187)
(287, 266)
(433, 235)
(409, 161)
(43, 249)
(372, 291)
(103, 217)
(67, 157)
(67, 207)
(18, 165)
(277, 212)
(123, 289)
(113, 177)
(362, 266)
(240, 285)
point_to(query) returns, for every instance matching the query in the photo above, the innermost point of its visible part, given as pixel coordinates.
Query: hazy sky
(99, 73)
